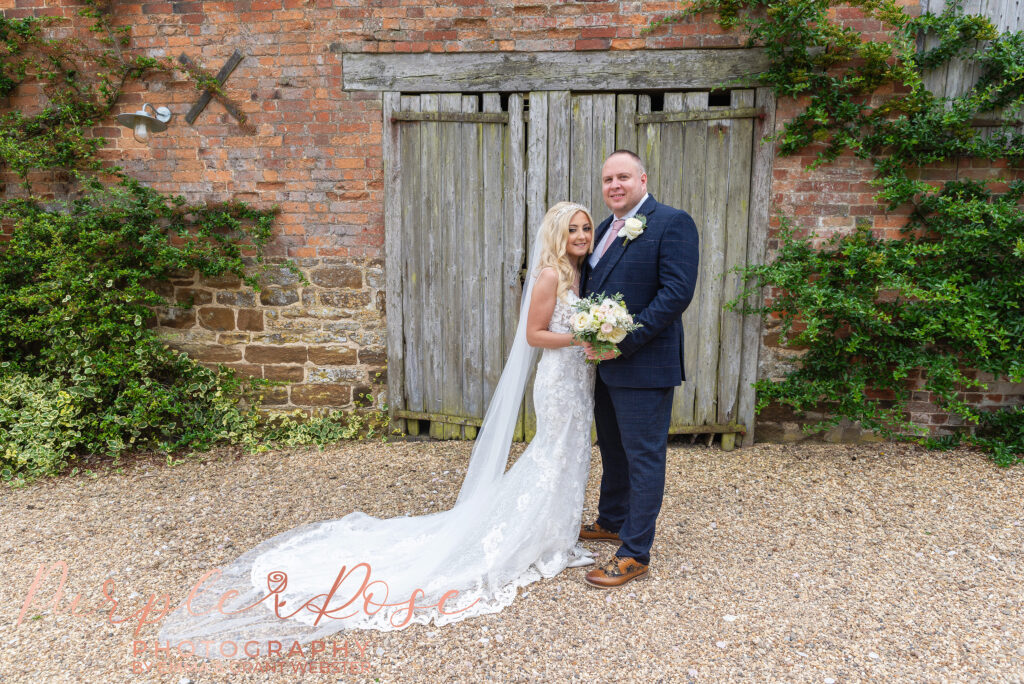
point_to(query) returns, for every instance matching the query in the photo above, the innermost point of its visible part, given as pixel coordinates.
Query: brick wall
(316, 152)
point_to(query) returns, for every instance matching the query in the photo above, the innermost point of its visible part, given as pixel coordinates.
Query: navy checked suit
(656, 274)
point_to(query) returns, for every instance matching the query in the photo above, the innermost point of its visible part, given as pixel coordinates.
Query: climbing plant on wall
(944, 299)
(81, 370)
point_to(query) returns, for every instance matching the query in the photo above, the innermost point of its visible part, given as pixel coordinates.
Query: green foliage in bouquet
(947, 295)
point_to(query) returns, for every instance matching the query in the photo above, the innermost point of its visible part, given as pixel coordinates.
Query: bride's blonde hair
(554, 234)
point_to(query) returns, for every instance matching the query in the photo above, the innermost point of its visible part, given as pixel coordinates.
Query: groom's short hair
(632, 155)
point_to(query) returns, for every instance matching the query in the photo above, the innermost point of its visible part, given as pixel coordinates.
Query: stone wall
(324, 336)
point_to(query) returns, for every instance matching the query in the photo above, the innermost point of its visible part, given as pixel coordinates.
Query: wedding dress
(506, 530)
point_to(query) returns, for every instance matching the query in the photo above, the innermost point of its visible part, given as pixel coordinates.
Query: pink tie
(612, 232)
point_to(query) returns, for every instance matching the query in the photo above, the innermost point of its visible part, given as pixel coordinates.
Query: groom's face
(622, 183)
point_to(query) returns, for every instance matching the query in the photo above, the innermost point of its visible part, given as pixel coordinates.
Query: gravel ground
(772, 563)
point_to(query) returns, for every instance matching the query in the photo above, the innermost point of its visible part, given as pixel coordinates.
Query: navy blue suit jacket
(656, 274)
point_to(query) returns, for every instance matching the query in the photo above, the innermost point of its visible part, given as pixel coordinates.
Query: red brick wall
(316, 153)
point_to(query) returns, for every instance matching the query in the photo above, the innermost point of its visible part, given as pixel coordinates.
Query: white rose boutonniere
(633, 228)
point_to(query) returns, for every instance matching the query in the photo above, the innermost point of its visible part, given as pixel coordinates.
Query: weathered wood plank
(493, 323)
(514, 223)
(625, 125)
(649, 147)
(603, 144)
(694, 179)
(433, 275)
(671, 179)
(458, 117)
(711, 268)
(669, 116)
(536, 205)
(537, 160)
(470, 228)
(711, 428)
(414, 258)
(671, 171)
(441, 418)
(529, 71)
(581, 150)
(559, 106)
(449, 305)
(391, 150)
(757, 238)
(736, 226)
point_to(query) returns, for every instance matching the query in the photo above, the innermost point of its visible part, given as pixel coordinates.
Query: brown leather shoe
(616, 572)
(595, 532)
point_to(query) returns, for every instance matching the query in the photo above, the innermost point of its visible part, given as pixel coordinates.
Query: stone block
(228, 280)
(279, 275)
(275, 396)
(332, 375)
(242, 369)
(213, 353)
(278, 338)
(284, 373)
(217, 318)
(350, 299)
(175, 317)
(339, 275)
(321, 395)
(190, 295)
(373, 356)
(237, 298)
(276, 296)
(250, 319)
(255, 353)
(326, 356)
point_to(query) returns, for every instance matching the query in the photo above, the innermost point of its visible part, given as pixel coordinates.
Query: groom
(655, 272)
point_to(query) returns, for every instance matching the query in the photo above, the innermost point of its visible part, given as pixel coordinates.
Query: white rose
(617, 335)
(632, 228)
(579, 322)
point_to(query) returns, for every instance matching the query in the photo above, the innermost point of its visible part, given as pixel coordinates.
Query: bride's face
(581, 234)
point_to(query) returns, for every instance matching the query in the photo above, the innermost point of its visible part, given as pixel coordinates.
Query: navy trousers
(632, 432)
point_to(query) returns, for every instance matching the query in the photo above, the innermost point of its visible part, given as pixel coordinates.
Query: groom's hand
(593, 356)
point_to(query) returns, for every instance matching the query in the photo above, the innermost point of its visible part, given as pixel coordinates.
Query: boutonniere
(633, 228)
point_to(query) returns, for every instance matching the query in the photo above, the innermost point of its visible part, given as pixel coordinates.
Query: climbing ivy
(84, 250)
(943, 300)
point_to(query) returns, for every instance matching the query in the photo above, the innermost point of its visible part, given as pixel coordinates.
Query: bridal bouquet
(602, 321)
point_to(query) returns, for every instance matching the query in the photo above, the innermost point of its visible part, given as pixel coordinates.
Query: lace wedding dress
(507, 530)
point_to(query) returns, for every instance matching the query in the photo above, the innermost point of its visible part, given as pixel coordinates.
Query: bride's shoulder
(547, 276)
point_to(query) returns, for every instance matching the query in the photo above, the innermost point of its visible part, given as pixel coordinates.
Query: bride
(506, 530)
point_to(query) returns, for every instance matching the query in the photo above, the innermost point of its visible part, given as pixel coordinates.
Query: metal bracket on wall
(205, 98)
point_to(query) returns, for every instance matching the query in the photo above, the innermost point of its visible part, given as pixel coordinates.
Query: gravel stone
(834, 558)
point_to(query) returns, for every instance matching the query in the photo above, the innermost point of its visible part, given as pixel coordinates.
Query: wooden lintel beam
(604, 71)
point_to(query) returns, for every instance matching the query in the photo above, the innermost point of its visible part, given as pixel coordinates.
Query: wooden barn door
(467, 184)
(454, 220)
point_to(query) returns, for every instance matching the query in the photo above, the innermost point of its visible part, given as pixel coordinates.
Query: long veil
(362, 572)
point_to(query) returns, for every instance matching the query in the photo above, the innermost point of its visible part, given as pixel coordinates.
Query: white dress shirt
(598, 250)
